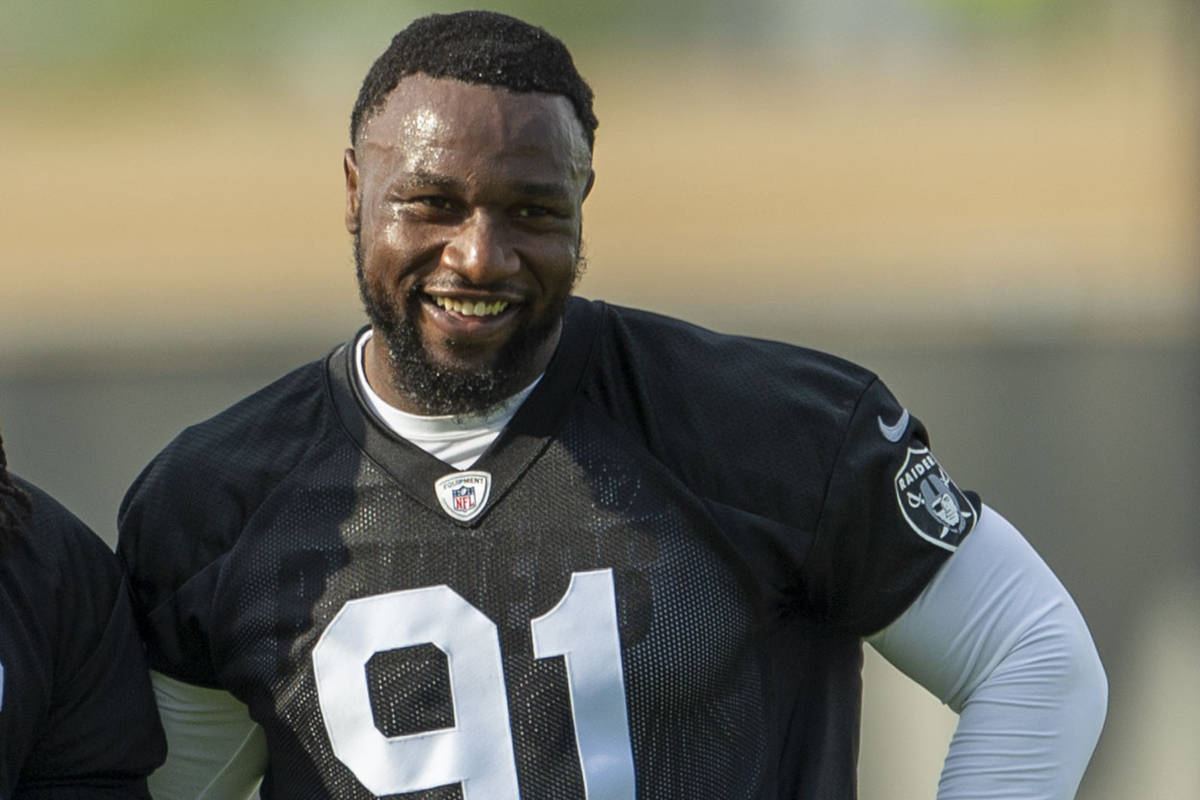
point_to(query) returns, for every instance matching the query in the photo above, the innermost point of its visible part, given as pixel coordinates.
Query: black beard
(440, 390)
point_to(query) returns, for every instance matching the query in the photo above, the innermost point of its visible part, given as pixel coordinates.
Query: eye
(435, 202)
(430, 207)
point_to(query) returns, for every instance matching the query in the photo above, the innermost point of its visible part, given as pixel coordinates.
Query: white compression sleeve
(214, 750)
(997, 638)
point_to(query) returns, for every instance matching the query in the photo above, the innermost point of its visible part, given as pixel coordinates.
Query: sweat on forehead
(479, 47)
(433, 113)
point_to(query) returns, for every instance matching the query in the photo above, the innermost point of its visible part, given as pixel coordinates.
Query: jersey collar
(521, 442)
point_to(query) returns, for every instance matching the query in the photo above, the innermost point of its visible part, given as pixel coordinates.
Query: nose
(481, 250)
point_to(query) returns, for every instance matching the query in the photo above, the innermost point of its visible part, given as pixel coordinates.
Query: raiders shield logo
(463, 494)
(930, 502)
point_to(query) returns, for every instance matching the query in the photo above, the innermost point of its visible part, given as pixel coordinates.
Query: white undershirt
(456, 439)
(997, 638)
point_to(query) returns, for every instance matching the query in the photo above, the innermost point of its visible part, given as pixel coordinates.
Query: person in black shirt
(77, 716)
(505, 542)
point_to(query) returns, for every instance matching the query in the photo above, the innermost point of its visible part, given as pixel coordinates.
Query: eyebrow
(422, 178)
(546, 191)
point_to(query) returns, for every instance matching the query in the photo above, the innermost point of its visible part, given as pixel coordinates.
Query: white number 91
(478, 751)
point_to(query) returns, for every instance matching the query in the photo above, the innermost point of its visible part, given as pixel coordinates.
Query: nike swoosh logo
(893, 432)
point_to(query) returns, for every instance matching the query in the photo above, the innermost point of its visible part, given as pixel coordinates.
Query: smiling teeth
(469, 309)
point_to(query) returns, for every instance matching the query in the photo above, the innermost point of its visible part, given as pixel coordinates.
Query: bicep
(215, 751)
(997, 637)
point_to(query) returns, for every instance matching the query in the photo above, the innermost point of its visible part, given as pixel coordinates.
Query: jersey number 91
(477, 751)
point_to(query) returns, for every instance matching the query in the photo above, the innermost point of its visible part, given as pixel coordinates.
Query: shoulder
(58, 565)
(189, 503)
(271, 418)
(747, 422)
(711, 366)
(731, 387)
(53, 539)
(255, 435)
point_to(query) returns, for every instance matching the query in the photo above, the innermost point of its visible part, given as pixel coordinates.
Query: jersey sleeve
(101, 735)
(184, 513)
(173, 529)
(890, 517)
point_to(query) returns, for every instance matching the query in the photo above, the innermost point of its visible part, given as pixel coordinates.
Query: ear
(590, 183)
(350, 166)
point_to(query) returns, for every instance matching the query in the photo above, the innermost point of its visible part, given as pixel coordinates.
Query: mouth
(466, 318)
(471, 308)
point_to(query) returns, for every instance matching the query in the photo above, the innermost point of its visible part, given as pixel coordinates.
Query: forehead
(427, 121)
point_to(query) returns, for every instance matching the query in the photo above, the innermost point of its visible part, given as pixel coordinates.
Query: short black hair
(481, 47)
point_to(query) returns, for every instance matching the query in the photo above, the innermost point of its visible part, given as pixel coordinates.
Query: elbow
(1089, 682)
(1063, 659)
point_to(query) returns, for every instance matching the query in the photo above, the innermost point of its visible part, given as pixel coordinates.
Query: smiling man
(507, 543)
(465, 211)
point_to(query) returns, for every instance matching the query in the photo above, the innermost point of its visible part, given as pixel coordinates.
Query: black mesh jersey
(653, 584)
(77, 717)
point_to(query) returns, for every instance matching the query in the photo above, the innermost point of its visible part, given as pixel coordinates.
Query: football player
(77, 715)
(508, 543)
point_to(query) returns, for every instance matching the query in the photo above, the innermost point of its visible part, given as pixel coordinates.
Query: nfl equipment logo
(463, 495)
(464, 498)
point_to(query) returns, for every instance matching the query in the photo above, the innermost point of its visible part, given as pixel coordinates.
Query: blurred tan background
(992, 203)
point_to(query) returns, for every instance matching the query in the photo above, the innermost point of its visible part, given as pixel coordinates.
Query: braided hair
(15, 506)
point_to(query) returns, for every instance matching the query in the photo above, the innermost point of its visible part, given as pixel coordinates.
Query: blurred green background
(992, 203)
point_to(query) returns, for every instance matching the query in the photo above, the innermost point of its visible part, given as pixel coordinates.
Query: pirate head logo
(463, 494)
(930, 502)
